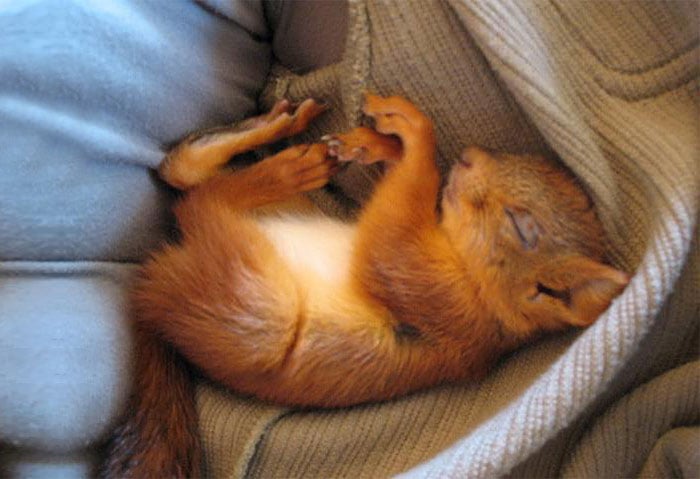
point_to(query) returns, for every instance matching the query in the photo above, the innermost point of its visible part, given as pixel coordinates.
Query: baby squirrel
(299, 309)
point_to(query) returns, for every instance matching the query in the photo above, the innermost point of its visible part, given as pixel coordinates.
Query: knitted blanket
(612, 89)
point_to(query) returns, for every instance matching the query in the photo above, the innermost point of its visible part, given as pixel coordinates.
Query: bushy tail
(158, 437)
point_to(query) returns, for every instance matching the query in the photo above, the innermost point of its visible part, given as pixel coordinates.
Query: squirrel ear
(584, 287)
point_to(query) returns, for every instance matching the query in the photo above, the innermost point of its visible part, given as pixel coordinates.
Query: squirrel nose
(465, 161)
(467, 157)
(473, 155)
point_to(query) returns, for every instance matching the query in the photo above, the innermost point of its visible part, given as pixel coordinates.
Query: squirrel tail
(159, 435)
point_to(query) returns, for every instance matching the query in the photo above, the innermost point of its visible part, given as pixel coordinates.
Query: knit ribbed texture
(612, 88)
(620, 441)
(231, 429)
(675, 454)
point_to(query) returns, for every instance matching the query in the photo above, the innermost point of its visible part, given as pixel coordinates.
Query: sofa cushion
(90, 95)
(64, 352)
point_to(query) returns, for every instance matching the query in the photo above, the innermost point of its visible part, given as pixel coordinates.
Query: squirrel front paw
(363, 145)
(397, 116)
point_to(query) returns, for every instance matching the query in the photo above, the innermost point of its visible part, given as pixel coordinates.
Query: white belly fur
(318, 252)
(317, 249)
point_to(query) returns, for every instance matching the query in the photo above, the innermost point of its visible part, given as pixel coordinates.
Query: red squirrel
(271, 299)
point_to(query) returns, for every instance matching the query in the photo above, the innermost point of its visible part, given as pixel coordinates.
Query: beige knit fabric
(612, 88)
(675, 454)
(622, 440)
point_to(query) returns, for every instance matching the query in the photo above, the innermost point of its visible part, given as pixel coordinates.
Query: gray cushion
(90, 94)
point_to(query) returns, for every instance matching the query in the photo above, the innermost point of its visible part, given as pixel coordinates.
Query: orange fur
(407, 298)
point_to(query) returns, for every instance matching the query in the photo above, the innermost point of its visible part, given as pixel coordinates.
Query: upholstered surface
(91, 93)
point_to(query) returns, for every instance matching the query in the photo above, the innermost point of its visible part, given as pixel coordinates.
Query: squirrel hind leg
(200, 156)
(232, 303)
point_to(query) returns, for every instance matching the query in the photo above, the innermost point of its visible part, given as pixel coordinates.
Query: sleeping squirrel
(269, 298)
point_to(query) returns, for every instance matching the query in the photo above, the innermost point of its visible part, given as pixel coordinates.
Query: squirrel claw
(337, 148)
(362, 145)
(359, 154)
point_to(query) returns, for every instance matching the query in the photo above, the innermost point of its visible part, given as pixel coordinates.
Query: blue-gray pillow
(90, 94)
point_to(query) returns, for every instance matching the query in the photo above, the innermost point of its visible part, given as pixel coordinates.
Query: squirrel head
(531, 240)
